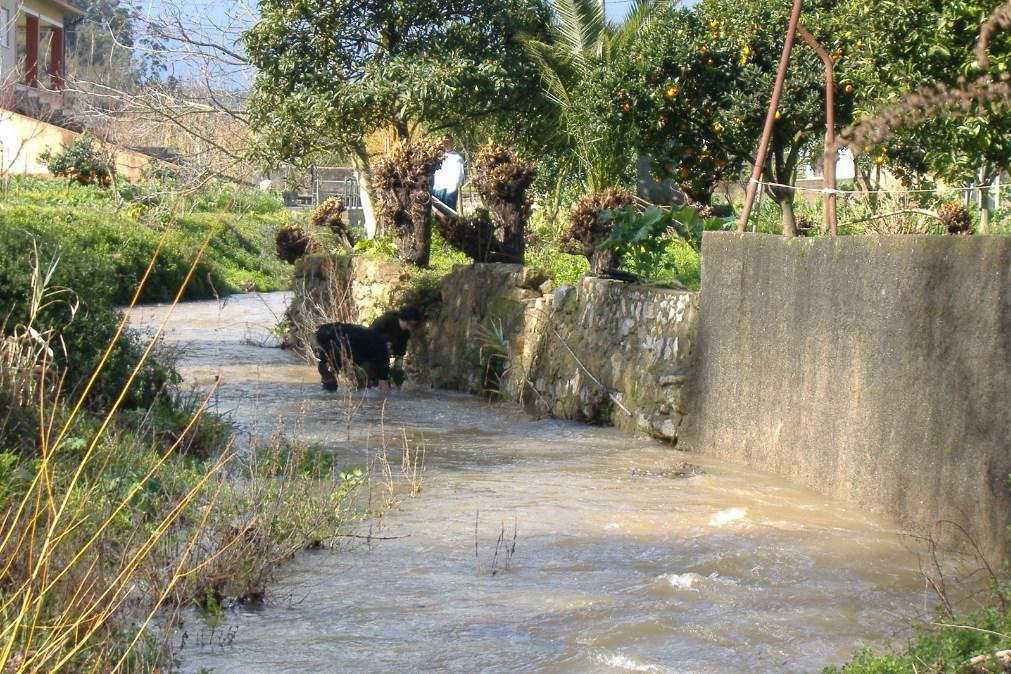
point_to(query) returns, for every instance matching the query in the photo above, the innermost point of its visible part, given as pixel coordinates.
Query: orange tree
(908, 44)
(696, 88)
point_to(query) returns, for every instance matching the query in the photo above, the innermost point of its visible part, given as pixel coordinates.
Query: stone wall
(339, 288)
(600, 351)
(874, 369)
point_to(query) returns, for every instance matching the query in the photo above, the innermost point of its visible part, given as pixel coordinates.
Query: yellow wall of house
(49, 12)
(23, 139)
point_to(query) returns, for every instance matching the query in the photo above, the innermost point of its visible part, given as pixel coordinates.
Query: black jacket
(388, 325)
(364, 345)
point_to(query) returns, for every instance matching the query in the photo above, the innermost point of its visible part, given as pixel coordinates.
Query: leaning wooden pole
(770, 117)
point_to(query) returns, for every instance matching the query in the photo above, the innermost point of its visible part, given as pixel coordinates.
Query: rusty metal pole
(829, 221)
(770, 117)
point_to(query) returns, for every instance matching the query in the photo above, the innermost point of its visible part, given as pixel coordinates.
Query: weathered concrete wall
(600, 351)
(874, 369)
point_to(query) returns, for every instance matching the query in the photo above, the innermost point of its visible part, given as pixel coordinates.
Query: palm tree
(584, 45)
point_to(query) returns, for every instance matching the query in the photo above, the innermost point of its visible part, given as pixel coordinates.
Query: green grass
(82, 222)
(946, 645)
(100, 252)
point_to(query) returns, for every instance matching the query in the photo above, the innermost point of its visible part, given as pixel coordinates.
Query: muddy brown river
(622, 562)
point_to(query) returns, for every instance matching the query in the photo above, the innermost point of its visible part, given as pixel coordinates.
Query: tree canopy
(910, 44)
(102, 46)
(575, 61)
(696, 86)
(330, 73)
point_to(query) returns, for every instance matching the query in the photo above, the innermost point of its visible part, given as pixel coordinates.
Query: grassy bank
(112, 238)
(121, 501)
(976, 642)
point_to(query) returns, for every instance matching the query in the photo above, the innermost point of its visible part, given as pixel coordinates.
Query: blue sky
(220, 12)
(217, 17)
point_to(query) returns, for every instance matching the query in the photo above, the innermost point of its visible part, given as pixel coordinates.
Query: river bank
(625, 557)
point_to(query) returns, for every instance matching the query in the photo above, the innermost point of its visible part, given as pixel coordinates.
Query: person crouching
(396, 327)
(360, 349)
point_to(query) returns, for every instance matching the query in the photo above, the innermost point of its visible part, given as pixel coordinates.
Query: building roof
(68, 7)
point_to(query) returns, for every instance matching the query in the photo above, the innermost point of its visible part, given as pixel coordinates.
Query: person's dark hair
(409, 312)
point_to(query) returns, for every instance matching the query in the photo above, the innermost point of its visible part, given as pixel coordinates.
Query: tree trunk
(985, 205)
(984, 216)
(360, 162)
(700, 194)
(412, 233)
(603, 261)
(512, 217)
(784, 197)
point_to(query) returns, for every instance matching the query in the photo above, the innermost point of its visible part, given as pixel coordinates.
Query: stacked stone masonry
(873, 369)
(600, 351)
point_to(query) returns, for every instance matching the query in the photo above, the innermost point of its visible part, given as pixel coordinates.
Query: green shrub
(944, 646)
(80, 161)
(227, 198)
(83, 333)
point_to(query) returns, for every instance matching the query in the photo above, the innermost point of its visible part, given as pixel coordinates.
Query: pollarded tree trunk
(502, 178)
(513, 217)
(474, 236)
(587, 230)
(402, 180)
(784, 198)
(604, 261)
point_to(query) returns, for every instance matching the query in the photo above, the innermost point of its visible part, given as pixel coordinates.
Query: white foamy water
(628, 664)
(725, 517)
(682, 581)
(616, 567)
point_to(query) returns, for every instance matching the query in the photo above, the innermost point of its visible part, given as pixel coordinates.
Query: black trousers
(334, 356)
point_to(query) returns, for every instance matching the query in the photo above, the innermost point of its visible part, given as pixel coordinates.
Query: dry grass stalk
(62, 597)
(999, 20)
(323, 294)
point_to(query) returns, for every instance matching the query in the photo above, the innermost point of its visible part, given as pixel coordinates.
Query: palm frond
(638, 18)
(555, 69)
(581, 27)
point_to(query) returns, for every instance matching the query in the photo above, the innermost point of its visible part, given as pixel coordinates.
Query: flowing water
(621, 562)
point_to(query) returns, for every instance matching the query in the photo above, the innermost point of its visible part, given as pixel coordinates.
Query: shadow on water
(622, 561)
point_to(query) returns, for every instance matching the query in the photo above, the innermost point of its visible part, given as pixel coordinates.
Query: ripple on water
(731, 570)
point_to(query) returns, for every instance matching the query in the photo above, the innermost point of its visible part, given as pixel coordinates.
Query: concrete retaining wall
(874, 369)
